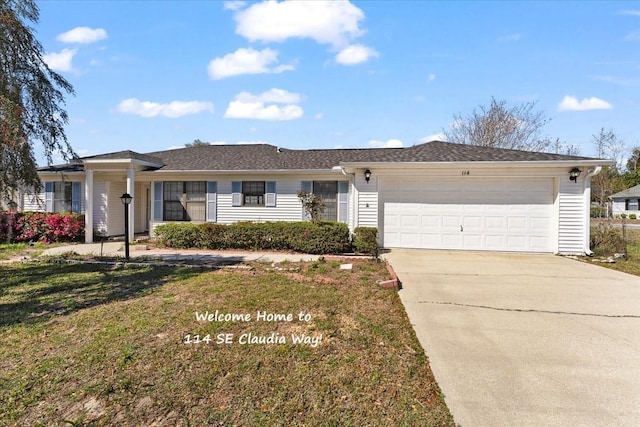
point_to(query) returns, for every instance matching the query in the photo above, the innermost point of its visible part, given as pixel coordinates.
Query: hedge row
(306, 237)
(42, 227)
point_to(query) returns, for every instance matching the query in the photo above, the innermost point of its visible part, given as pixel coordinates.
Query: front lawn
(612, 242)
(13, 250)
(105, 345)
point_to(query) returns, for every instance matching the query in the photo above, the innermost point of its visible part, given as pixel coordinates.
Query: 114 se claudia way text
(250, 338)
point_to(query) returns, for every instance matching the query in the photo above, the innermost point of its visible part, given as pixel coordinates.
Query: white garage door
(472, 214)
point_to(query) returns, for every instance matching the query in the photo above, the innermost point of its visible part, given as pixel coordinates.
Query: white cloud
(264, 106)
(434, 137)
(272, 95)
(431, 77)
(335, 23)
(60, 61)
(83, 35)
(634, 35)
(355, 54)
(571, 103)
(246, 61)
(630, 12)
(392, 143)
(234, 5)
(319, 116)
(171, 110)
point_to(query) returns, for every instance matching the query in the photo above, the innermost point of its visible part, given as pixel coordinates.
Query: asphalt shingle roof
(126, 154)
(270, 157)
(629, 192)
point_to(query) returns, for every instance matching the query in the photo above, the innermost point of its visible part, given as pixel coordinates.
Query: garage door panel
(517, 223)
(495, 222)
(472, 241)
(472, 222)
(430, 221)
(494, 242)
(512, 215)
(410, 221)
(538, 223)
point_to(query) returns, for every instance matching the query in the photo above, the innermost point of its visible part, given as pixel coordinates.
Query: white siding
(367, 200)
(288, 206)
(140, 206)
(571, 217)
(36, 203)
(618, 206)
(100, 206)
(115, 211)
(33, 202)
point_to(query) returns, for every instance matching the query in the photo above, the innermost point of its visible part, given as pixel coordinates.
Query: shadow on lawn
(37, 292)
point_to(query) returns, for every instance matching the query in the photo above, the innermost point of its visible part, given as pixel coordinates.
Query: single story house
(435, 195)
(626, 202)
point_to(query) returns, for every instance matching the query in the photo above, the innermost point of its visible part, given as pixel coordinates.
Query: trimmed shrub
(306, 237)
(633, 216)
(623, 216)
(40, 226)
(179, 235)
(598, 212)
(365, 240)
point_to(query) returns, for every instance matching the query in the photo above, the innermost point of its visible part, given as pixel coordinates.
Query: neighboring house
(626, 201)
(435, 195)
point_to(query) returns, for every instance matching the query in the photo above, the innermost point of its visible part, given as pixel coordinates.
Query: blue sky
(153, 75)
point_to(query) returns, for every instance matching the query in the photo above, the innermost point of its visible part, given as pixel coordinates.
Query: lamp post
(126, 201)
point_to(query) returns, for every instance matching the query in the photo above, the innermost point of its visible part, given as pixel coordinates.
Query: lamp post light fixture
(367, 175)
(574, 174)
(126, 201)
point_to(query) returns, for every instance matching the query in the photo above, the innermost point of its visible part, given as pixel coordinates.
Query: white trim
(88, 207)
(488, 164)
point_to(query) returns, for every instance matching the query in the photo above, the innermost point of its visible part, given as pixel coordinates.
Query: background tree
(608, 145)
(31, 100)
(634, 159)
(501, 126)
(196, 143)
(562, 147)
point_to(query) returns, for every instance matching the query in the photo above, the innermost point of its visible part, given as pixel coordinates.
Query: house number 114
(465, 173)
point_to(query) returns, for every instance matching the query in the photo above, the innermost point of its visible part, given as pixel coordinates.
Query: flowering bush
(40, 226)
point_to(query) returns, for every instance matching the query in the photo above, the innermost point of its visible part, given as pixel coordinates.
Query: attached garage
(514, 214)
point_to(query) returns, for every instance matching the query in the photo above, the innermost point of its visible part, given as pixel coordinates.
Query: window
(631, 204)
(327, 191)
(62, 196)
(253, 193)
(184, 201)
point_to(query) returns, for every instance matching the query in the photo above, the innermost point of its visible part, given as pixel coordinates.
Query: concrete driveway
(526, 340)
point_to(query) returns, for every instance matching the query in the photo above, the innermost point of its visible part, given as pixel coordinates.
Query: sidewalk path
(170, 254)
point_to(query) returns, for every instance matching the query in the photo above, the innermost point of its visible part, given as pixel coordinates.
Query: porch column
(88, 206)
(131, 179)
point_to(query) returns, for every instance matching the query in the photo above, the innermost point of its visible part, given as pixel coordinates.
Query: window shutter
(270, 193)
(236, 193)
(343, 201)
(76, 191)
(307, 187)
(157, 201)
(212, 194)
(48, 196)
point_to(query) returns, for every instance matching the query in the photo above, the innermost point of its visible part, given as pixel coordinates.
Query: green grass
(629, 265)
(12, 250)
(90, 345)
